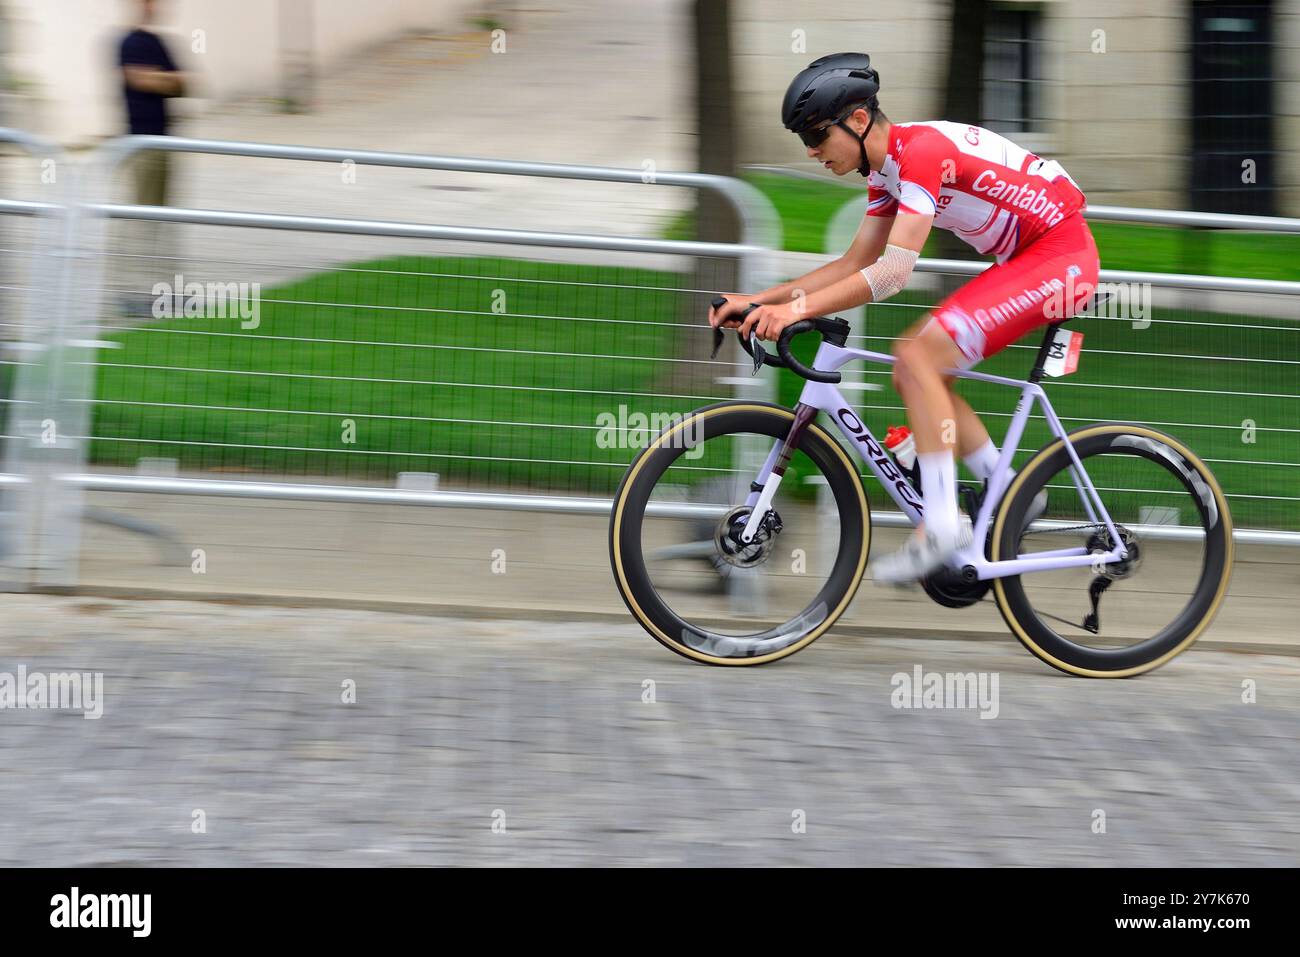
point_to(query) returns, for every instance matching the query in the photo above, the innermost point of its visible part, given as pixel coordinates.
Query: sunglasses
(817, 135)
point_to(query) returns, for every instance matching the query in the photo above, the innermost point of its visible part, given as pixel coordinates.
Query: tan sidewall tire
(999, 589)
(814, 432)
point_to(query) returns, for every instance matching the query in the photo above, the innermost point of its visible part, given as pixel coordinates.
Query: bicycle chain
(1094, 526)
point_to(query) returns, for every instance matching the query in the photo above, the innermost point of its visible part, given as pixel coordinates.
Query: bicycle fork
(763, 491)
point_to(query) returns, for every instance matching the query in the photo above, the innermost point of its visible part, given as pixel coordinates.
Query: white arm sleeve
(888, 274)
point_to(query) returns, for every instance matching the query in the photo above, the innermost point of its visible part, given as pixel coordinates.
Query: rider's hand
(728, 315)
(769, 321)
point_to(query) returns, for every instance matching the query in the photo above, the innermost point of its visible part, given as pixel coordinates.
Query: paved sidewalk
(554, 565)
(549, 729)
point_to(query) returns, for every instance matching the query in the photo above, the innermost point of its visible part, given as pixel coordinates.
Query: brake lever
(757, 351)
(755, 347)
(717, 303)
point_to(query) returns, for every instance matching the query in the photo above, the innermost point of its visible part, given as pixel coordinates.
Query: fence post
(32, 518)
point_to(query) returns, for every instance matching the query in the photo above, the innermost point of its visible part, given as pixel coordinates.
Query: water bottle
(901, 445)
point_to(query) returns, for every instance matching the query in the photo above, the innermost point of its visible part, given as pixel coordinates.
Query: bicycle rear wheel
(1120, 619)
(675, 557)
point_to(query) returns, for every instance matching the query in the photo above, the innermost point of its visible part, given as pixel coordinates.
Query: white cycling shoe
(921, 555)
(1036, 508)
(925, 554)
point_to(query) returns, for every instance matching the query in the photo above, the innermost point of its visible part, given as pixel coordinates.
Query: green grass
(309, 355)
(806, 208)
(431, 333)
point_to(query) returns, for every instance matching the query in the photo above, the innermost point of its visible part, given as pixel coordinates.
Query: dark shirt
(146, 112)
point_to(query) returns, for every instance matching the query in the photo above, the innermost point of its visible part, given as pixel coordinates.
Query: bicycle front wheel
(673, 537)
(1115, 620)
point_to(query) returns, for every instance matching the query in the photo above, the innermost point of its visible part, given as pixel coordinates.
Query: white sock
(984, 460)
(939, 493)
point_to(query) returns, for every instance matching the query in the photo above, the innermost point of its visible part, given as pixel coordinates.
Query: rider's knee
(916, 360)
(904, 380)
(912, 356)
(906, 354)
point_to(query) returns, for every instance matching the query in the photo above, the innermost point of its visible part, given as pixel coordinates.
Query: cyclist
(998, 197)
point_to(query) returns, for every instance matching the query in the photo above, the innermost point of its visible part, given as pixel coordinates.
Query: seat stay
(1081, 476)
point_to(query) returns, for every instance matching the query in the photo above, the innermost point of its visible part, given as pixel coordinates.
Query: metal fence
(279, 356)
(449, 365)
(40, 245)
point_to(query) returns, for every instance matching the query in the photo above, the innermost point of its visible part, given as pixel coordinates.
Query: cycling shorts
(1048, 281)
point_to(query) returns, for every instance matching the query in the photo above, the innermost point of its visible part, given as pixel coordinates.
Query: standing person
(149, 79)
(999, 198)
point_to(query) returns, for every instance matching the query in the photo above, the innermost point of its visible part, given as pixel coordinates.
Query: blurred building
(62, 53)
(1169, 103)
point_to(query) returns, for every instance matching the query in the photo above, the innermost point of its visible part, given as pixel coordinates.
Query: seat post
(1036, 373)
(1090, 311)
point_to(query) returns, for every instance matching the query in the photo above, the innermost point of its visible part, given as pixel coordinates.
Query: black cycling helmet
(829, 89)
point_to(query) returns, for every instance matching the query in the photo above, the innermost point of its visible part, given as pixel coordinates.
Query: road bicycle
(720, 553)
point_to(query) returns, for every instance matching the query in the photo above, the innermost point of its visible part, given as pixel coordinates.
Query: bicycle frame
(823, 397)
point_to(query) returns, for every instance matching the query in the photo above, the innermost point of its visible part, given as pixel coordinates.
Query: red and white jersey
(995, 195)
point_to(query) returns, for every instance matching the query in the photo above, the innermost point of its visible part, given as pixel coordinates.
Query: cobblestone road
(237, 712)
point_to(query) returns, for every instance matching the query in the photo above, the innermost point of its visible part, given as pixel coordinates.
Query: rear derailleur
(1100, 543)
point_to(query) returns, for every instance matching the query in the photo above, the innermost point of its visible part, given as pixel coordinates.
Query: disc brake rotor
(732, 550)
